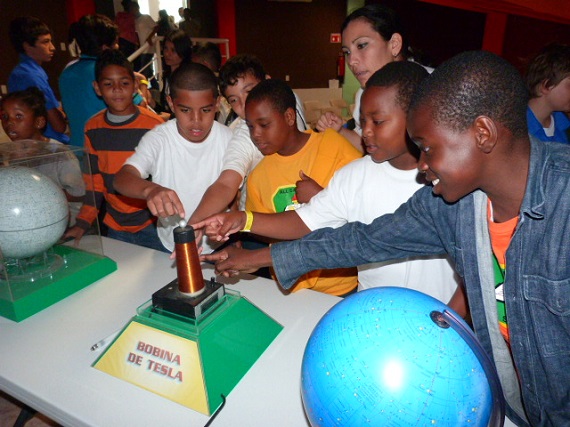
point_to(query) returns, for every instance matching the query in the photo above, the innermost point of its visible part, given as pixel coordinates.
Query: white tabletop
(46, 359)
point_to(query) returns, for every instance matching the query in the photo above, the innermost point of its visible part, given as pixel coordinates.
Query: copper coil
(190, 279)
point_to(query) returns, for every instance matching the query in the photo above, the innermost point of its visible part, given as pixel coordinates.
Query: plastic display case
(42, 189)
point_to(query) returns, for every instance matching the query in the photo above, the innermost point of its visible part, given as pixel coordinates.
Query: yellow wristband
(144, 82)
(248, 221)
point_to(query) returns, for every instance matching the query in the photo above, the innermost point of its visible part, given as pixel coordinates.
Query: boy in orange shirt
(110, 139)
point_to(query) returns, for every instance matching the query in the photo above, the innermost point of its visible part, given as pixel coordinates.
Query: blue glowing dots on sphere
(33, 212)
(377, 359)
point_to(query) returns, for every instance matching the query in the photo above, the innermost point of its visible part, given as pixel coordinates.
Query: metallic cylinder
(190, 279)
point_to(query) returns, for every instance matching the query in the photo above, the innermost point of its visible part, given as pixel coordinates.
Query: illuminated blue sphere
(377, 358)
(33, 212)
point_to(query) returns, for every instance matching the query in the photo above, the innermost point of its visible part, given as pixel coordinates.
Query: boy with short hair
(548, 81)
(499, 205)
(238, 76)
(110, 139)
(366, 188)
(32, 40)
(183, 156)
(289, 154)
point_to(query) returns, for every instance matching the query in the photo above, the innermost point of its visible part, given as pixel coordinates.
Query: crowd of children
(488, 198)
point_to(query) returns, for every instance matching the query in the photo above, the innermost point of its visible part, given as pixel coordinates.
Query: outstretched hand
(307, 187)
(231, 261)
(219, 227)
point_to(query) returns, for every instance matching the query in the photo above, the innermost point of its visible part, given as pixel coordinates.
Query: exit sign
(335, 37)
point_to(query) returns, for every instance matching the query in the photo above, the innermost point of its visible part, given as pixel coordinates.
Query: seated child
(110, 138)
(296, 166)
(183, 156)
(548, 81)
(24, 117)
(366, 188)
(238, 76)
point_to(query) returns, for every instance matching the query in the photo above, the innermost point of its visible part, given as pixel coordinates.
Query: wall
(292, 38)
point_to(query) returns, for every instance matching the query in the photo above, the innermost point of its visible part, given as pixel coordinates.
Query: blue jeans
(146, 237)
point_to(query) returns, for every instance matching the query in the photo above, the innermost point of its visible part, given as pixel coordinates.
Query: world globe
(387, 357)
(33, 212)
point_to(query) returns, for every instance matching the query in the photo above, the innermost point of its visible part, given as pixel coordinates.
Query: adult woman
(177, 50)
(372, 36)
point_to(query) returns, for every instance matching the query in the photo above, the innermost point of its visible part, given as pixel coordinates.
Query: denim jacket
(537, 280)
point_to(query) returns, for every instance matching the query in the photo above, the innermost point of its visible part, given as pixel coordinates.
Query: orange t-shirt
(501, 234)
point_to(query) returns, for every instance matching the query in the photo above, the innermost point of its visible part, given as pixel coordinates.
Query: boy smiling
(490, 181)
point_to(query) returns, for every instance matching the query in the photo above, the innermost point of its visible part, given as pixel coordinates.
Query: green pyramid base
(20, 300)
(231, 336)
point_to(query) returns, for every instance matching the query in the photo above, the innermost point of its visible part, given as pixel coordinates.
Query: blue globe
(382, 357)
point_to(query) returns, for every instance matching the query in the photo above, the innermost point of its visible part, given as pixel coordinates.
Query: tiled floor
(10, 409)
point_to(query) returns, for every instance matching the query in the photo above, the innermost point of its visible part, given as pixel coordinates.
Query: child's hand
(219, 227)
(329, 120)
(307, 187)
(231, 261)
(75, 233)
(164, 202)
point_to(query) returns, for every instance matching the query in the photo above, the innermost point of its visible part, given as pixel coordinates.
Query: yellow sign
(160, 362)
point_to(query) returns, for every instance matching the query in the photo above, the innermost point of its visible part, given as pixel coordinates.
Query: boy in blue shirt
(32, 40)
(498, 203)
(548, 81)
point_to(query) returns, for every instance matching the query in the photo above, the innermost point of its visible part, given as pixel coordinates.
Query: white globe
(33, 212)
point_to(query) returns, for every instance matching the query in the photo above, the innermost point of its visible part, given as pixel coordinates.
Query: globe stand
(31, 268)
(448, 318)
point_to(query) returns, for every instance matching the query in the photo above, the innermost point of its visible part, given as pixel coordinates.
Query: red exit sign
(335, 37)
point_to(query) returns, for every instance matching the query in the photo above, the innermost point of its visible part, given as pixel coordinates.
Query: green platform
(20, 300)
(230, 336)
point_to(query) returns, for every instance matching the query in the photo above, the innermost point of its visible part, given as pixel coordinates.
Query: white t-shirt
(185, 167)
(362, 191)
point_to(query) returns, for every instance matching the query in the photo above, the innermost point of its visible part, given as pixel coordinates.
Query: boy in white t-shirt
(363, 190)
(183, 156)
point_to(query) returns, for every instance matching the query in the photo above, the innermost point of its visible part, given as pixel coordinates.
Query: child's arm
(56, 119)
(218, 196)
(231, 260)
(161, 201)
(283, 226)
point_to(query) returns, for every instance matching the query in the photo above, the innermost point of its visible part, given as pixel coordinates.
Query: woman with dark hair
(372, 36)
(177, 50)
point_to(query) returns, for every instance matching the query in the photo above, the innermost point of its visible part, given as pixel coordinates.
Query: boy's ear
(486, 134)
(96, 88)
(170, 103)
(290, 116)
(40, 122)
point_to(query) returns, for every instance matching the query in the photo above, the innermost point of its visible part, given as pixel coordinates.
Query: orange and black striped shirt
(108, 145)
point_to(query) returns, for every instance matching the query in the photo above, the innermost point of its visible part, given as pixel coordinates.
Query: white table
(46, 359)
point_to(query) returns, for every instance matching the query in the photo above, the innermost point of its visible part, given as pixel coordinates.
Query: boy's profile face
(269, 129)
(42, 50)
(450, 159)
(383, 124)
(195, 112)
(237, 94)
(116, 86)
(559, 96)
(19, 121)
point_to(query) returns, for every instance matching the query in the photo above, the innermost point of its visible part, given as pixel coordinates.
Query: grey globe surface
(33, 212)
